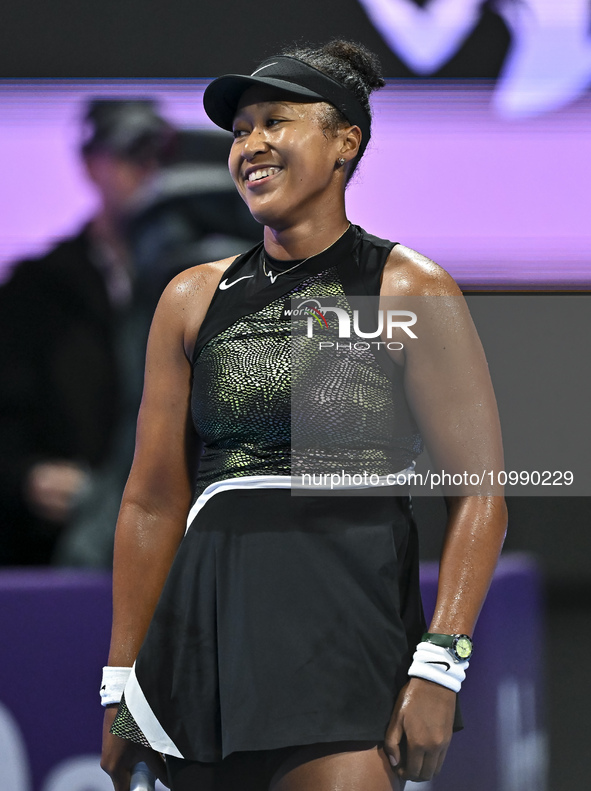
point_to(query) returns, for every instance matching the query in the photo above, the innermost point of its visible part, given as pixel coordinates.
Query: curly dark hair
(349, 63)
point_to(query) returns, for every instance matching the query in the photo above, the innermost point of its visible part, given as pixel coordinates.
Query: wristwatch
(459, 646)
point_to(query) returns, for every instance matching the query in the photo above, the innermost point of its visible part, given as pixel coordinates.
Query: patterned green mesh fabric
(346, 411)
(126, 727)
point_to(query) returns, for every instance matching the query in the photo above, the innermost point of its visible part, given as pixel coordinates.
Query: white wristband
(435, 663)
(113, 684)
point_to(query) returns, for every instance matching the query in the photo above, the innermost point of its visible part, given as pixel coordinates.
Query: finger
(392, 743)
(441, 759)
(414, 762)
(429, 765)
(157, 765)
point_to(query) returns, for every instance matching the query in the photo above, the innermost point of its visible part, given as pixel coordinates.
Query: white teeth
(261, 174)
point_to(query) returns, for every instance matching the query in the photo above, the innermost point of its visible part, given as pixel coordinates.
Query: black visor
(292, 77)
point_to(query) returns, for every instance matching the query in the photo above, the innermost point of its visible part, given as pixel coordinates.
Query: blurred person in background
(61, 318)
(76, 323)
(185, 213)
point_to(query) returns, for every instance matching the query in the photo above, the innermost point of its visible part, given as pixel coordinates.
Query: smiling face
(282, 160)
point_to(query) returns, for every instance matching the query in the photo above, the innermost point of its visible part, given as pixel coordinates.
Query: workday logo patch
(308, 308)
(366, 326)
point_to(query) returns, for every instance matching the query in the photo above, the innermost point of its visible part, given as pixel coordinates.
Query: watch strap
(444, 640)
(459, 646)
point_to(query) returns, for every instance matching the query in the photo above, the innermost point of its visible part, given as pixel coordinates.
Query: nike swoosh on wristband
(224, 284)
(433, 662)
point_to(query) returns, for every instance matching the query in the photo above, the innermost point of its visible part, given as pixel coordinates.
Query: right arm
(158, 494)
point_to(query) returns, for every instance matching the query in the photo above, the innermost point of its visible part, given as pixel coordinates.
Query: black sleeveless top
(268, 402)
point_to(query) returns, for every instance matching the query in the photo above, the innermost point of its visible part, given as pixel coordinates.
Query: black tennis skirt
(285, 620)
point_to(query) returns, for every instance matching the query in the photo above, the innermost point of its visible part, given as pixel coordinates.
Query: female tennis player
(274, 640)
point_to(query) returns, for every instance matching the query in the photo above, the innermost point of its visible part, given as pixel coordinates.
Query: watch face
(463, 647)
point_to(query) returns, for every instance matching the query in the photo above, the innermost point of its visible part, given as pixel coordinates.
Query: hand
(120, 756)
(51, 488)
(421, 725)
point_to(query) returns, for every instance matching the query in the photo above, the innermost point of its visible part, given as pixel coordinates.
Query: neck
(305, 239)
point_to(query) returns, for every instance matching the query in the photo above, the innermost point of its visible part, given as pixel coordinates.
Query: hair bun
(360, 58)
(351, 64)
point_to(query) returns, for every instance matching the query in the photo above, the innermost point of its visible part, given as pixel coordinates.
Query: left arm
(449, 389)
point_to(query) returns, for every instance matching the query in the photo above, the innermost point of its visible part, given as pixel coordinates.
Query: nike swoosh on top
(224, 284)
(263, 67)
(433, 662)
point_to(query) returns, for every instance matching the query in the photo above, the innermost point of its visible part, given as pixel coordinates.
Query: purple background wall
(55, 633)
(496, 201)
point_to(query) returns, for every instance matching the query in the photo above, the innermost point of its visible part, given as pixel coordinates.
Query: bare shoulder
(408, 273)
(195, 284)
(185, 300)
